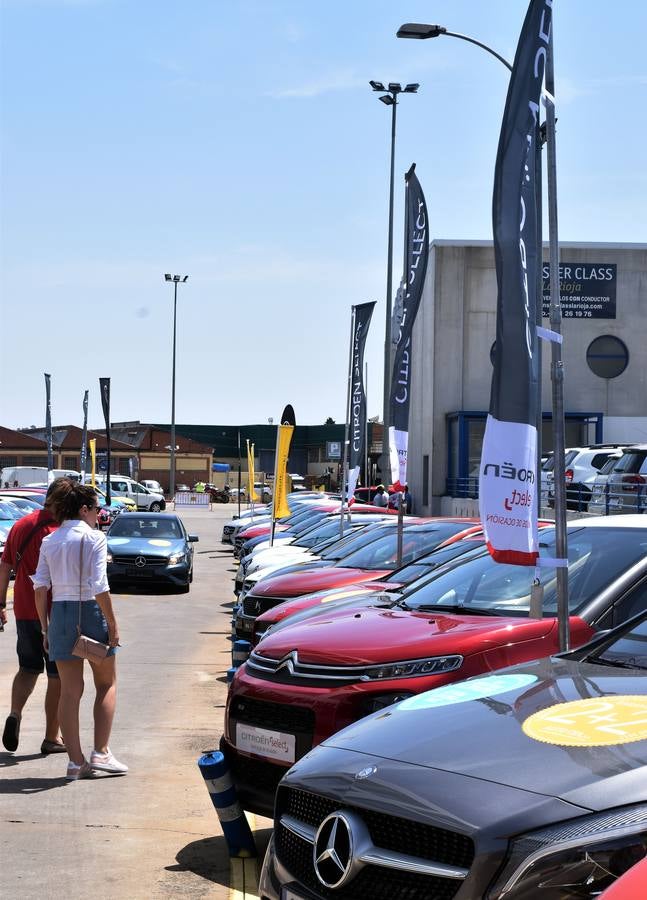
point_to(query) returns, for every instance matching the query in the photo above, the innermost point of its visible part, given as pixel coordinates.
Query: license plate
(244, 624)
(263, 742)
(615, 502)
(140, 573)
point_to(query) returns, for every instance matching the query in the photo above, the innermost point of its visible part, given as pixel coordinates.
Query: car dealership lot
(155, 832)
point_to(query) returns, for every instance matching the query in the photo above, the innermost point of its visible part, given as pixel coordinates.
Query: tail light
(632, 482)
(568, 475)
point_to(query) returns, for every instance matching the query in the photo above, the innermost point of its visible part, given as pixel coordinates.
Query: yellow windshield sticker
(598, 722)
(158, 542)
(339, 595)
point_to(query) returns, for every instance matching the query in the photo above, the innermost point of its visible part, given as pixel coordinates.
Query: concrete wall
(455, 330)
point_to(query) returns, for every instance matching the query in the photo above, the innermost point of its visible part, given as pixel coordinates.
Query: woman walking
(74, 565)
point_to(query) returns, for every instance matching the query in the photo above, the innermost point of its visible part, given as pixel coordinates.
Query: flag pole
(367, 474)
(347, 426)
(239, 473)
(557, 366)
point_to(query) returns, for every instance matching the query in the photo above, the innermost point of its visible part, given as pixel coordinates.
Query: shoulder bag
(86, 647)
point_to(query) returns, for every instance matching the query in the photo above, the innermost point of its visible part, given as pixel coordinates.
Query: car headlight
(577, 858)
(176, 558)
(433, 665)
(109, 557)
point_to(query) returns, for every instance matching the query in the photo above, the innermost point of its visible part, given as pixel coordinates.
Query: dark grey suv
(627, 482)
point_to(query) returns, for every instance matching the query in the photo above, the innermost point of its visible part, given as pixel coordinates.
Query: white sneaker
(74, 771)
(106, 762)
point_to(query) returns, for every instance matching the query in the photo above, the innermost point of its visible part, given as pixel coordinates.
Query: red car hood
(311, 580)
(257, 530)
(321, 598)
(371, 635)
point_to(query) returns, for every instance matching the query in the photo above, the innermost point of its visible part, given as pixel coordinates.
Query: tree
(330, 421)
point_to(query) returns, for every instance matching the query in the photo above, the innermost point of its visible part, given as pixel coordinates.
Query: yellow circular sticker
(158, 542)
(599, 722)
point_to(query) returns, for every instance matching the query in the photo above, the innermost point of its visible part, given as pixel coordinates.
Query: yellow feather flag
(280, 500)
(93, 456)
(253, 496)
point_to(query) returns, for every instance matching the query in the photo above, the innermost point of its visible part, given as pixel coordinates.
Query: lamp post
(389, 98)
(420, 32)
(176, 279)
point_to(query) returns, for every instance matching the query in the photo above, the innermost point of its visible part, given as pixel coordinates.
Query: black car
(148, 548)
(529, 783)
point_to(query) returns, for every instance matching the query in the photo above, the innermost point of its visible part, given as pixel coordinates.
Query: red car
(372, 562)
(631, 886)
(306, 681)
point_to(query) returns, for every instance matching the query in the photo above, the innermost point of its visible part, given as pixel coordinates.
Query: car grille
(255, 775)
(278, 716)
(290, 670)
(427, 842)
(256, 606)
(228, 529)
(150, 560)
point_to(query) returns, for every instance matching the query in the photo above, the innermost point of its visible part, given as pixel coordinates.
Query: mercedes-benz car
(526, 784)
(150, 548)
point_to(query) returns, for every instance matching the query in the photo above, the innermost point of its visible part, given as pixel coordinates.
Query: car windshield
(416, 541)
(9, 511)
(596, 557)
(351, 542)
(411, 572)
(321, 534)
(25, 504)
(154, 527)
(627, 651)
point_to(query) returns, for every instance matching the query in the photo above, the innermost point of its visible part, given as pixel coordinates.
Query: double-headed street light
(176, 279)
(389, 98)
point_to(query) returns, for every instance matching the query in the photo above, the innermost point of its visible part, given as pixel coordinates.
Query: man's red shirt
(24, 605)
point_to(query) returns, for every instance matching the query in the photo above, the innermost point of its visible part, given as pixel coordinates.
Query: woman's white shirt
(59, 562)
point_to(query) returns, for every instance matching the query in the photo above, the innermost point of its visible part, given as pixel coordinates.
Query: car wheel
(155, 507)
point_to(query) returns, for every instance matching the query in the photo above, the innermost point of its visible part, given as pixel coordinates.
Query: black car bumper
(178, 575)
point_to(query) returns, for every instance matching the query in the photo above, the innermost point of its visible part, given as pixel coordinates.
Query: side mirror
(192, 538)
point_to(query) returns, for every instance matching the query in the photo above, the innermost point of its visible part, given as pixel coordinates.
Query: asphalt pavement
(154, 832)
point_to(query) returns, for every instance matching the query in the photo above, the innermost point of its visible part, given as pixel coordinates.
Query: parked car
(306, 681)
(38, 496)
(149, 548)
(25, 504)
(153, 486)
(599, 502)
(182, 488)
(526, 784)
(122, 487)
(581, 466)
(627, 482)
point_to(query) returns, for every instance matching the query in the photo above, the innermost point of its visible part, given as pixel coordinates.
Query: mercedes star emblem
(333, 850)
(140, 561)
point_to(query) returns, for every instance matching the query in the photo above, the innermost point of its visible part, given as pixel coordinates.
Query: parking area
(155, 832)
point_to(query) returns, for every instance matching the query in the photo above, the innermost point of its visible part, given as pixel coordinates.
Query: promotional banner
(48, 427)
(417, 254)
(104, 387)
(357, 412)
(251, 493)
(84, 438)
(284, 433)
(93, 460)
(508, 471)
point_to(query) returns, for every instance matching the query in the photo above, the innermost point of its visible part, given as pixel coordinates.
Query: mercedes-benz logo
(334, 851)
(140, 561)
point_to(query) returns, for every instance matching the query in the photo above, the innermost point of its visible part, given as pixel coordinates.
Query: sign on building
(333, 449)
(587, 290)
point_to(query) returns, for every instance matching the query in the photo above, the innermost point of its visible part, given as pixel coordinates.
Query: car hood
(315, 579)
(349, 636)
(160, 546)
(475, 729)
(322, 601)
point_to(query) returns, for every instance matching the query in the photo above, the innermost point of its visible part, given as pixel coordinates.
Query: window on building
(124, 466)
(8, 461)
(314, 454)
(425, 480)
(34, 461)
(607, 356)
(71, 462)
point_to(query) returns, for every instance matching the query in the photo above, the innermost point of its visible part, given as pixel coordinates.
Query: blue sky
(239, 142)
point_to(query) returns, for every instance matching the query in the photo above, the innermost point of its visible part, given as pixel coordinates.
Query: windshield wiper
(614, 663)
(456, 608)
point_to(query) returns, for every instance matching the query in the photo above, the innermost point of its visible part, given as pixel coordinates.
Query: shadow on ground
(209, 857)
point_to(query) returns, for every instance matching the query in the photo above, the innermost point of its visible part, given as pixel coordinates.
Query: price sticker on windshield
(598, 722)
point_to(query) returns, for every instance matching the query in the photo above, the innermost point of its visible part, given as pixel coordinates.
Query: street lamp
(418, 31)
(176, 279)
(389, 98)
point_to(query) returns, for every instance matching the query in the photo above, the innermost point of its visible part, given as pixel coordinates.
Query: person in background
(408, 500)
(381, 497)
(21, 554)
(73, 562)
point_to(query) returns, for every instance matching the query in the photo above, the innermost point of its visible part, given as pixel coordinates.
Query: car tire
(155, 507)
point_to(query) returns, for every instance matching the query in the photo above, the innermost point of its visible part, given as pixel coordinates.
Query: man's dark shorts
(31, 653)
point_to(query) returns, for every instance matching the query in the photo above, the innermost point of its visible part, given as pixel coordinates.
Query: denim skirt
(63, 627)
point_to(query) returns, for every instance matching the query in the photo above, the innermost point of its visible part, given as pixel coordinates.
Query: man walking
(21, 554)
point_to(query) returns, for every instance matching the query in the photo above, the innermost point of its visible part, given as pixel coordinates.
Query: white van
(122, 486)
(21, 476)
